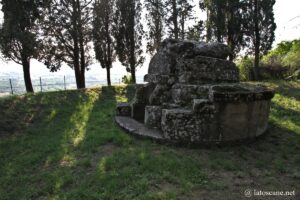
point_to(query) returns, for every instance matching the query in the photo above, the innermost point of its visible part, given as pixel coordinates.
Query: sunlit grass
(66, 145)
(285, 111)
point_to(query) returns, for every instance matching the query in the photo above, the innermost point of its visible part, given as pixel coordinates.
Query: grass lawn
(65, 145)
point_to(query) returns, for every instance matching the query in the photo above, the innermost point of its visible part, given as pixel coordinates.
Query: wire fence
(15, 86)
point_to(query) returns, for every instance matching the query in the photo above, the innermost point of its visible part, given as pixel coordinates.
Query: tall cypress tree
(225, 23)
(19, 40)
(185, 12)
(178, 13)
(155, 20)
(104, 44)
(261, 28)
(216, 22)
(196, 32)
(172, 18)
(128, 34)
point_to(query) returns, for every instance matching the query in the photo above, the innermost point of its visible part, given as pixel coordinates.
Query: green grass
(65, 145)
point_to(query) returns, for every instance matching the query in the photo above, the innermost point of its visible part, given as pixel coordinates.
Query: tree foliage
(260, 28)
(19, 39)
(104, 44)
(67, 35)
(155, 21)
(286, 54)
(292, 58)
(225, 23)
(178, 12)
(129, 34)
(196, 32)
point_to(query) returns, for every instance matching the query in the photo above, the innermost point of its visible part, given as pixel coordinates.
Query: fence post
(11, 87)
(41, 84)
(65, 83)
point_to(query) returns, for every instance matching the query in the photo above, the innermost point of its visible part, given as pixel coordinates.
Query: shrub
(245, 66)
(127, 79)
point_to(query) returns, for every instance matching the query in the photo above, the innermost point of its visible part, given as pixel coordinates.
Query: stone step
(138, 129)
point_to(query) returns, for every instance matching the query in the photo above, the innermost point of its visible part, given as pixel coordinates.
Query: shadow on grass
(281, 114)
(68, 133)
(287, 88)
(269, 163)
(74, 150)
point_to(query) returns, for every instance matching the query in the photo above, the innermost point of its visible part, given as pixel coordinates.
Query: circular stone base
(139, 130)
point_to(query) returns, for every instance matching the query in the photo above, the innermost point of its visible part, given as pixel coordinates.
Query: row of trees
(65, 31)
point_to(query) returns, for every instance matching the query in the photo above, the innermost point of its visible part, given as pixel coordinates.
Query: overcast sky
(287, 16)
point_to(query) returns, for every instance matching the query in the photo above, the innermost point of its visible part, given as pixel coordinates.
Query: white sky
(287, 29)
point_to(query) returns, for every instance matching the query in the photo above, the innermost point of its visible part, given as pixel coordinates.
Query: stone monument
(194, 95)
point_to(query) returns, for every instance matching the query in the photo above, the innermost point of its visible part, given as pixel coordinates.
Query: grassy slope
(66, 146)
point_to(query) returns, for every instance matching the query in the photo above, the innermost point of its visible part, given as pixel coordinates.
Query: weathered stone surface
(153, 116)
(190, 48)
(184, 125)
(140, 101)
(238, 121)
(183, 94)
(138, 128)
(123, 109)
(162, 63)
(194, 96)
(160, 95)
(240, 92)
(165, 59)
(203, 106)
(201, 70)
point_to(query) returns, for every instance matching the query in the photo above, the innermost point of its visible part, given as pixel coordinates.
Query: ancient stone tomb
(193, 95)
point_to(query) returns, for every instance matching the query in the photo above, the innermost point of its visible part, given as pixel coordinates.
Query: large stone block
(244, 120)
(201, 70)
(160, 95)
(183, 94)
(240, 92)
(177, 123)
(164, 61)
(186, 126)
(153, 116)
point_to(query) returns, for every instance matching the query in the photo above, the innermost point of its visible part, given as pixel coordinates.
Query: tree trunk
(108, 75)
(182, 28)
(132, 60)
(109, 53)
(208, 27)
(76, 51)
(230, 38)
(257, 41)
(175, 19)
(82, 77)
(77, 76)
(81, 48)
(77, 65)
(158, 26)
(82, 65)
(133, 74)
(26, 73)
